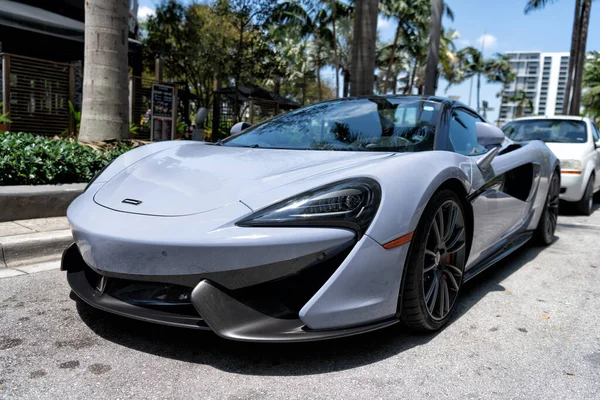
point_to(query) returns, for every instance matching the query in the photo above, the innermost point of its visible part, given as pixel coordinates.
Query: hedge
(27, 159)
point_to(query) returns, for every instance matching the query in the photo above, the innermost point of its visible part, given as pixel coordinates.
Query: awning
(26, 17)
(34, 19)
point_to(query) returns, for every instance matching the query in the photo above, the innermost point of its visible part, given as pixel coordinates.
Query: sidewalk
(32, 245)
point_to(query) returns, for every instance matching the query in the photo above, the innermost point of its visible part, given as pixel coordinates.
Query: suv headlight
(570, 164)
(348, 204)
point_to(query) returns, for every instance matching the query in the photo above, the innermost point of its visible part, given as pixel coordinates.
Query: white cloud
(487, 41)
(144, 12)
(382, 23)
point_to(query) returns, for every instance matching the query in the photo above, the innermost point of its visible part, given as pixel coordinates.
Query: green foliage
(76, 115)
(27, 159)
(591, 84)
(4, 117)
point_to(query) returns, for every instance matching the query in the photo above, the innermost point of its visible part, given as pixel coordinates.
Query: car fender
(408, 183)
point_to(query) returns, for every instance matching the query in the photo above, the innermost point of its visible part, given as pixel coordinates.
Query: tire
(544, 233)
(586, 204)
(435, 264)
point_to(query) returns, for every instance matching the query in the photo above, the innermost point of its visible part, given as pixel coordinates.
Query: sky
(501, 26)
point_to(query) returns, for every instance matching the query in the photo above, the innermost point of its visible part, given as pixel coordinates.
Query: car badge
(132, 202)
(101, 285)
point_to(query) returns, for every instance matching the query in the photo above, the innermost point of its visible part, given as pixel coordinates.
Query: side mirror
(488, 135)
(239, 127)
(597, 144)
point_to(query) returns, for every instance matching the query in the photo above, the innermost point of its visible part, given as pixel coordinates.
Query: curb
(40, 201)
(32, 248)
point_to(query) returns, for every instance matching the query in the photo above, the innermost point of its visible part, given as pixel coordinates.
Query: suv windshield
(369, 124)
(547, 130)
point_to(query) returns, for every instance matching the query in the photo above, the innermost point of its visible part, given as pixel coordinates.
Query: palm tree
(314, 22)
(499, 70)
(522, 103)
(104, 111)
(344, 47)
(363, 47)
(591, 82)
(472, 64)
(581, 21)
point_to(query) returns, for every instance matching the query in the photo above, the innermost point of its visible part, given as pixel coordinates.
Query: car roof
(563, 117)
(437, 99)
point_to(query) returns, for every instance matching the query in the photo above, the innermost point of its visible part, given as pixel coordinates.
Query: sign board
(164, 113)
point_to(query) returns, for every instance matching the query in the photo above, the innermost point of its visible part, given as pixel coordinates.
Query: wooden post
(72, 123)
(251, 104)
(158, 70)
(6, 87)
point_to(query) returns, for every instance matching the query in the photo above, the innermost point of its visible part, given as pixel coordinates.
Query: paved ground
(526, 329)
(33, 245)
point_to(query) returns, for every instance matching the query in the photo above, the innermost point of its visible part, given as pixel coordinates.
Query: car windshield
(369, 124)
(547, 130)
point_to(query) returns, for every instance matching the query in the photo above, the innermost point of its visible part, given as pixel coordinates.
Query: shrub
(27, 159)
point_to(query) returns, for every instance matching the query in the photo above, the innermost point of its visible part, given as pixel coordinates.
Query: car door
(596, 155)
(499, 205)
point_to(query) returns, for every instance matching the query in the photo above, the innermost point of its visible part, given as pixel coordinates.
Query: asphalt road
(527, 328)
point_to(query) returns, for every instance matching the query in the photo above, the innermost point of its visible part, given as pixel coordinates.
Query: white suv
(576, 142)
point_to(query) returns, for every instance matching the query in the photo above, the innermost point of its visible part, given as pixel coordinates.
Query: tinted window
(547, 130)
(463, 134)
(595, 133)
(376, 124)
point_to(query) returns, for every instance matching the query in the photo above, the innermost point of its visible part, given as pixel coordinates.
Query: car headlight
(570, 164)
(348, 204)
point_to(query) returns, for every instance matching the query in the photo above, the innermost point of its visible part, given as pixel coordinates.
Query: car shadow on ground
(203, 347)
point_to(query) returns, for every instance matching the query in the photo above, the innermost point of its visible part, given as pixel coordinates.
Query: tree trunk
(318, 71)
(304, 89)
(433, 52)
(346, 76)
(411, 83)
(363, 47)
(105, 108)
(236, 106)
(585, 20)
(335, 51)
(388, 74)
(572, 56)
(478, 90)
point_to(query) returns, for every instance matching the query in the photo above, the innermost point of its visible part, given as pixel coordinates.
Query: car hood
(569, 151)
(193, 179)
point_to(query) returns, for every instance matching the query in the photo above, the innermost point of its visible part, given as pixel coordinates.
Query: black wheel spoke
(436, 231)
(455, 269)
(444, 257)
(433, 295)
(440, 219)
(451, 223)
(442, 296)
(429, 267)
(457, 235)
(452, 280)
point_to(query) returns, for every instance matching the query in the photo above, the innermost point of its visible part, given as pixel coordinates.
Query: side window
(463, 135)
(595, 133)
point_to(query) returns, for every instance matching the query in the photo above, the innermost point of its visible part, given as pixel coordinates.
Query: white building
(543, 77)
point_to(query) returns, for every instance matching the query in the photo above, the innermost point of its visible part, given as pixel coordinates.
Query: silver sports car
(339, 218)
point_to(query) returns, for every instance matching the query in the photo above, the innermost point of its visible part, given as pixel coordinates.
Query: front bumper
(572, 187)
(206, 306)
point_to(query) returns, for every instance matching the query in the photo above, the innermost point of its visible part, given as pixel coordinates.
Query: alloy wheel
(444, 259)
(552, 201)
